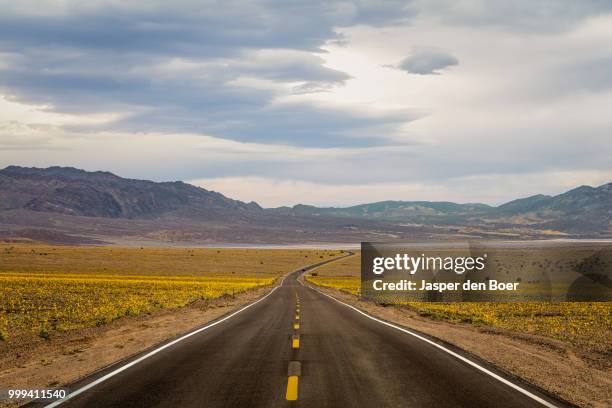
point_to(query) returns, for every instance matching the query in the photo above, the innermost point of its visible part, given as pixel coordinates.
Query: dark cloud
(539, 16)
(289, 66)
(188, 28)
(427, 62)
(287, 124)
(176, 66)
(202, 98)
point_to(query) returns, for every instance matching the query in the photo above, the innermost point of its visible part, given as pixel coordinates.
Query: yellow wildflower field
(44, 289)
(587, 325)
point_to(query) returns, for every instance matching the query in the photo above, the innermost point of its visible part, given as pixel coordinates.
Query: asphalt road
(342, 359)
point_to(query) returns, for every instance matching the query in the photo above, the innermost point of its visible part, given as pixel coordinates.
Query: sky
(316, 102)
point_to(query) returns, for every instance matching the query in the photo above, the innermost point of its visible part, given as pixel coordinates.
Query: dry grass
(154, 261)
(44, 289)
(587, 325)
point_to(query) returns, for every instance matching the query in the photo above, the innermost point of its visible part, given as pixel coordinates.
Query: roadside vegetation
(587, 325)
(46, 289)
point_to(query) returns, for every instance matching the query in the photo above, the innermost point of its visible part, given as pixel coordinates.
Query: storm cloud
(176, 67)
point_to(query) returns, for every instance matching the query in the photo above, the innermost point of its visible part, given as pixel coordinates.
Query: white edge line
(157, 350)
(452, 353)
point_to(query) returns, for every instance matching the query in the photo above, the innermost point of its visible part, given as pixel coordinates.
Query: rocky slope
(70, 191)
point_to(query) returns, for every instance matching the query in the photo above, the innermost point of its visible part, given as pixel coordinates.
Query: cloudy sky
(326, 103)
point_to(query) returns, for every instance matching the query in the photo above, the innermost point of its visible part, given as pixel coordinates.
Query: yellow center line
(295, 342)
(297, 317)
(292, 388)
(296, 326)
(294, 371)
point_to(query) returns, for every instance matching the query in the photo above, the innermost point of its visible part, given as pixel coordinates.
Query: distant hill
(583, 210)
(58, 202)
(523, 204)
(392, 210)
(71, 191)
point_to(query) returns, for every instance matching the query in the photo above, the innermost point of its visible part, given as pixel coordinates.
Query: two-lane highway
(343, 359)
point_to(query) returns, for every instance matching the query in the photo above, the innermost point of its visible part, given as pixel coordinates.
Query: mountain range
(62, 203)
(584, 209)
(71, 191)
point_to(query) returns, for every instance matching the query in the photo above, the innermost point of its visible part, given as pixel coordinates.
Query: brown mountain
(63, 204)
(68, 205)
(70, 191)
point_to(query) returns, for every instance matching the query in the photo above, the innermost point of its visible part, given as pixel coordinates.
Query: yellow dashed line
(294, 371)
(294, 366)
(292, 388)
